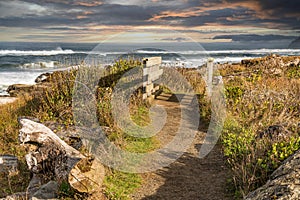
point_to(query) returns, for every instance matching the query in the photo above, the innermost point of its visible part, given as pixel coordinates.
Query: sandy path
(189, 177)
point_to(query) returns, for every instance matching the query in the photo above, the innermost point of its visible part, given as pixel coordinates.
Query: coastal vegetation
(261, 129)
(262, 126)
(54, 104)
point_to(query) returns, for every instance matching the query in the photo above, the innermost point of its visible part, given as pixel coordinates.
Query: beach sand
(5, 100)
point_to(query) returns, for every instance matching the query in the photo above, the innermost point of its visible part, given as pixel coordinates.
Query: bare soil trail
(189, 177)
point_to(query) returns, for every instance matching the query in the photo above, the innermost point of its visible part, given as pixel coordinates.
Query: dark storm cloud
(42, 14)
(281, 13)
(257, 13)
(121, 15)
(208, 31)
(280, 7)
(227, 16)
(178, 39)
(238, 16)
(42, 37)
(254, 37)
(37, 22)
(79, 13)
(65, 29)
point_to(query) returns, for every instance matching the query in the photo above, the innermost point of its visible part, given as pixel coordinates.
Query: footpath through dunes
(189, 177)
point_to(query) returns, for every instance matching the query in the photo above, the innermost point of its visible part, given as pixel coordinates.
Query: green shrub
(254, 103)
(294, 72)
(54, 103)
(234, 92)
(281, 151)
(237, 140)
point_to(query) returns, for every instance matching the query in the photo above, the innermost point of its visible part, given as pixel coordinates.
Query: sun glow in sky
(151, 21)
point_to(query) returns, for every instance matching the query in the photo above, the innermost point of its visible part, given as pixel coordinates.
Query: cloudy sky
(202, 20)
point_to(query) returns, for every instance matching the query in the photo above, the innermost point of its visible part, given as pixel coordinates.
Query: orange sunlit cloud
(198, 11)
(84, 15)
(88, 4)
(212, 6)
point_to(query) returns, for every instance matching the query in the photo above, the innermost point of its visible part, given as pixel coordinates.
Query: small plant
(14, 181)
(281, 151)
(119, 185)
(65, 189)
(255, 77)
(294, 72)
(235, 93)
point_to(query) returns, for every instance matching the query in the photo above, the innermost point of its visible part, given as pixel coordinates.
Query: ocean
(21, 63)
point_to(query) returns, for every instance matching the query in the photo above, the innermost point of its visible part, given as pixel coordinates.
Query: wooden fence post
(151, 72)
(210, 71)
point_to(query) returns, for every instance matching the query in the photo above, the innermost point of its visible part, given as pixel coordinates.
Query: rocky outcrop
(274, 132)
(42, 82)
(272, 65)
(47, 191)
(22, 89)
(18, 89)
(284, 183)
(43, 78)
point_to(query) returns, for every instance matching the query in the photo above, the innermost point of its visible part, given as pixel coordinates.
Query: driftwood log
(54, 159)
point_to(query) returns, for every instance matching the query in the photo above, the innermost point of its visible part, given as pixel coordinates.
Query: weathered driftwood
(55, 159)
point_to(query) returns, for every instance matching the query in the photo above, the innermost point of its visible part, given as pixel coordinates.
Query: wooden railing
(152, 72)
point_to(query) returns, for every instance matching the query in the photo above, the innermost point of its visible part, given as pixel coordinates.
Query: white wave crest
(35, 53)
(253, 51)
(40, 65)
